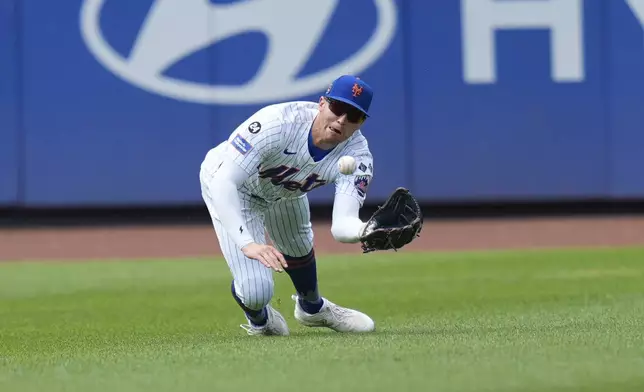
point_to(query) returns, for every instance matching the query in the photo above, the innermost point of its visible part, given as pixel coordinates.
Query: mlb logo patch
(361, 183)
(241, 144)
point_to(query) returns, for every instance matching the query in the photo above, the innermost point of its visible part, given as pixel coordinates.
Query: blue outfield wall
(116, 102)
(9, 105)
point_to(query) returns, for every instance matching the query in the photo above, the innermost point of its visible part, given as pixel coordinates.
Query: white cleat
(275, 326)
(335, 317)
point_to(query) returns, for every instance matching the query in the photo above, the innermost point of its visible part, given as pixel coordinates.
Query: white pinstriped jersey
(272, 146)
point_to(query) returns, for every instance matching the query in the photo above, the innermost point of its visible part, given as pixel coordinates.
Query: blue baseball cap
(351, 90)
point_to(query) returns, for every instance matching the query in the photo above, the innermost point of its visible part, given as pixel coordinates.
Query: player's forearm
(226, 202)
(347, 229)
(346, 225)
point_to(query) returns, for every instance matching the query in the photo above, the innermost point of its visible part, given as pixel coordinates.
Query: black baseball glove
(395, 224)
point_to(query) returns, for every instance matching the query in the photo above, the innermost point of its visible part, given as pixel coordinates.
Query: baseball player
(256, 182)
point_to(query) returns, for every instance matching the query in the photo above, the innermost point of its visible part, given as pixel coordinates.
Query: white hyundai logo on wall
(175, 29)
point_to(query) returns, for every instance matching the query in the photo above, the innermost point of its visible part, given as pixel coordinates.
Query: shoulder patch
(362, 184)
(241, 144)
(255, 127)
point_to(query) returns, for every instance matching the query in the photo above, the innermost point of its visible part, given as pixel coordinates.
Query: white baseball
(347, 165)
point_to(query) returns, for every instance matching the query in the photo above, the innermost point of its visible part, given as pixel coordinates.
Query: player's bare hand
(267, 255)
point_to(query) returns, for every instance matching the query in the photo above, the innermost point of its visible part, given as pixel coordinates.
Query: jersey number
(279, 174)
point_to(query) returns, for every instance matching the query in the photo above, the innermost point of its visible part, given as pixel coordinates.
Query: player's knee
(296, 245)
(296, 262)
(256, 292)
(301, 250)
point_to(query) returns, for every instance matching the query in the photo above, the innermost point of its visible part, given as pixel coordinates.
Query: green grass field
(558, 320)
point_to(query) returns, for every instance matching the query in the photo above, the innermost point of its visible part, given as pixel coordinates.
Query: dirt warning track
(85, 243)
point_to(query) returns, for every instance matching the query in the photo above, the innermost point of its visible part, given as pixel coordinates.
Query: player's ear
(321, 101)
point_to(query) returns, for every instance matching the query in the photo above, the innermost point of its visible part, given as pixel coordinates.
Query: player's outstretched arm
(224, 184)
(346, 224)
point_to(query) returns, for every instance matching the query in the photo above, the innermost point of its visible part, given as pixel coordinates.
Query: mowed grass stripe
(548, 320)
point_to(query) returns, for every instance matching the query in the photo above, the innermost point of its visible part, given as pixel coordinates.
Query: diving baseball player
(257, 181)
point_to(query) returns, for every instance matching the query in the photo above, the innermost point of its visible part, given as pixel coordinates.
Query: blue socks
(303, 274)
(257, 317)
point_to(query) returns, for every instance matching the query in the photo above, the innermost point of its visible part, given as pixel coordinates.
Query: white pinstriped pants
(288, 225)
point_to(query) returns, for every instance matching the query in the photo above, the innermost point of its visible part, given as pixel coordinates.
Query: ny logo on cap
(357, 89)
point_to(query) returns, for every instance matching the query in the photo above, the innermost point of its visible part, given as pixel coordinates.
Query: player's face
(339, 120)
